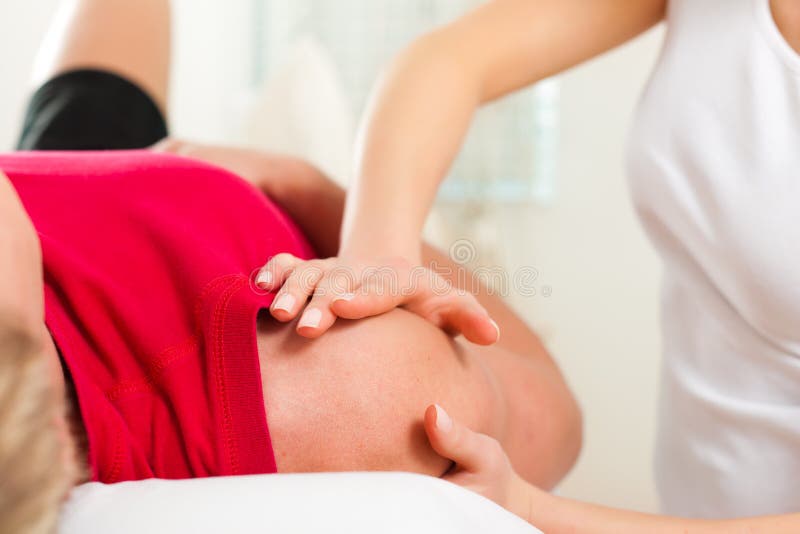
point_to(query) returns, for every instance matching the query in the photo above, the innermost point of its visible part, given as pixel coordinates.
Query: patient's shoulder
(354, 398)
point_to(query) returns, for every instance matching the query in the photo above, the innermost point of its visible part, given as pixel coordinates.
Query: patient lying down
(163, 352)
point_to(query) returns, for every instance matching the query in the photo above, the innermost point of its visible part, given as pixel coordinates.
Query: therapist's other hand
(356, 289)
(479, 462)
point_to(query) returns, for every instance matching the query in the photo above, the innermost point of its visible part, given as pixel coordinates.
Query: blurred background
(539, 188)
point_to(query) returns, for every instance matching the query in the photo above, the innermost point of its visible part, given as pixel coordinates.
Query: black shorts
(91, 110)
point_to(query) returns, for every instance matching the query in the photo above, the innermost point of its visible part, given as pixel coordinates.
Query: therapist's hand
(353, 289)
(480, 463)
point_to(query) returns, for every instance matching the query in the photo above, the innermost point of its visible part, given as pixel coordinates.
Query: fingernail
(346, 297)
(285, 303)
(496, 327)
(443, 421)
(264, 278)
(310, 319)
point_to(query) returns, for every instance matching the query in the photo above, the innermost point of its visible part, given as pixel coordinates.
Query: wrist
(376, 248)
(520, 498)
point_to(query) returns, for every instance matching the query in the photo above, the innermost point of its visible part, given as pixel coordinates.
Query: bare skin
(787, 17)
(131, 39)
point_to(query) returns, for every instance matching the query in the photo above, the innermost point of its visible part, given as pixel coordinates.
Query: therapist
(714, 163)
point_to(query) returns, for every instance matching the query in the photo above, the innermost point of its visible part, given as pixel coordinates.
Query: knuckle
(317, 266)
(291, 285)
(299, 281)
(282, 258)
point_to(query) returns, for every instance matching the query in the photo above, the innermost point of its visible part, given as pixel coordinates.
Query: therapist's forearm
(556, 515)
(423, 107)
(413, 130)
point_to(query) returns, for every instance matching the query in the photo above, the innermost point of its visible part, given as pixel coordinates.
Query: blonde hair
(35, 474)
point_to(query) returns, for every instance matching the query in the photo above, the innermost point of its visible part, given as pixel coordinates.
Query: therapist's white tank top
(714, 162)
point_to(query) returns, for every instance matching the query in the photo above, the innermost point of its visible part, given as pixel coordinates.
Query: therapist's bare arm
(557, 515)
(21, 298)
(414, 126)
(482, 465)
(422, 108)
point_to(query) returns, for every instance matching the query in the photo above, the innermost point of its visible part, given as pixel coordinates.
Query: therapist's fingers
(318, 316)
(300, 283)
(481, 464)
(275, 272)
(453, 311)
(471, 451)
(459, 313)
(372, 298)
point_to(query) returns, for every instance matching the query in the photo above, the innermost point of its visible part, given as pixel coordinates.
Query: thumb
(452, 440)
(466, 316)
(458, 313)
(367, 302)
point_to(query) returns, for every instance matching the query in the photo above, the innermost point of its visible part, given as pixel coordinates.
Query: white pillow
(351, 503)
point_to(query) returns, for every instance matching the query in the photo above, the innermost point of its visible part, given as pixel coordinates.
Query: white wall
(22, 25)
(600, 321)
(209, 96)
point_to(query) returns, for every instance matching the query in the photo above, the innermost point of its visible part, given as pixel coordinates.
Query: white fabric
(347, 503)
(715, 168)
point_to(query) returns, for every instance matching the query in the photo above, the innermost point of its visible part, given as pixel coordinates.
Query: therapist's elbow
(438, 63)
